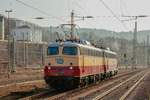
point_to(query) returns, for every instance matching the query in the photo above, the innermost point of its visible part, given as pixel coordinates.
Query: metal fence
(22, 54)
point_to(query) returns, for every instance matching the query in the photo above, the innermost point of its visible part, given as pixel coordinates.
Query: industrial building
(21, 30)
(27, 33)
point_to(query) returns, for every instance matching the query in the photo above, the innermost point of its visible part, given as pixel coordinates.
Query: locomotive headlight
(71, 67)
(49, 67)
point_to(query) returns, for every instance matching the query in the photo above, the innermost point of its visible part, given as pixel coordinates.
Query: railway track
(122, 91)
(132, 88)
(38, 95)
(21, 87)
(101, 87)
(21, 83)
(51, 95)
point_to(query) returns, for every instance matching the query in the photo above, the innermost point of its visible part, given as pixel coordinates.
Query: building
(22, 33)
(27, 33)
(22, 29)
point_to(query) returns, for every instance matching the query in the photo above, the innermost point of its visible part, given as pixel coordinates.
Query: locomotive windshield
(53, 50)
(70, 51)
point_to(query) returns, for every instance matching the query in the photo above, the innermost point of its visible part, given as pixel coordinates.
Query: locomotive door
(104, 62)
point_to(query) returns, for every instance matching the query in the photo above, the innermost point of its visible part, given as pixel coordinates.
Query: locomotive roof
(69, 43)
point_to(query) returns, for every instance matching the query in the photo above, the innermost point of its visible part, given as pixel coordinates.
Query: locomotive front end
(61, 70)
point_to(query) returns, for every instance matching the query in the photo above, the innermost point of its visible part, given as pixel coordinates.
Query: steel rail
(115, 87)
(62, 94)
(21, 83)
(133, 87)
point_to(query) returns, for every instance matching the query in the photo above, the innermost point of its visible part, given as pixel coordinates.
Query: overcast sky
(58, 12)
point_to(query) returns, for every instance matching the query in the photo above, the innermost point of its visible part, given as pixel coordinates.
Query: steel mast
(72, 25)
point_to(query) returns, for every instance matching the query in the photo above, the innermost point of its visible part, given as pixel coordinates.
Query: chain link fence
(22, 54)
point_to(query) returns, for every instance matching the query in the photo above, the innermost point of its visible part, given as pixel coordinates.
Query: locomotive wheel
(97, 78)
(83, 82)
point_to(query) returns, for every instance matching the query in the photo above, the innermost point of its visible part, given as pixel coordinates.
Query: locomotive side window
(90, 52)
(53, 50)
(70, 51)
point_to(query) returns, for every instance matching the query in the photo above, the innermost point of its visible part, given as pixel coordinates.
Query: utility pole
(134, 62)
(134, 58)
(148, 51)
(10, 58)
(146, 47)
(50, 35)
(72, 25)
(13, 55)
(24, 51)
(26, 54)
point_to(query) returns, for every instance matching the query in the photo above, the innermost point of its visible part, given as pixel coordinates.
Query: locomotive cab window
(53, 50)
(70, 51)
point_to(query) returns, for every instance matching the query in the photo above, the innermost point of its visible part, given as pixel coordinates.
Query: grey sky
(62, 8)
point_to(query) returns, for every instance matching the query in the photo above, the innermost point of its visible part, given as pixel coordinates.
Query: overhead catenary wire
(114, 15)
(77, 4)
(39, 10)
(84, 10)
(68, 5)
(123, 6)
(111, 11)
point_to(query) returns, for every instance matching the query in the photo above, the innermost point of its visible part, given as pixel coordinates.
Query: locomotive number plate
(59, 60)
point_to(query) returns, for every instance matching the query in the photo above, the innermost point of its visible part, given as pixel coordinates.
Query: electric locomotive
(73, 64)
(76, 63)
